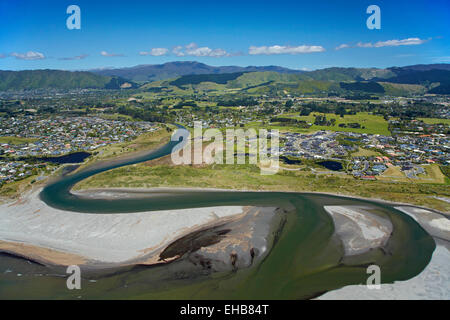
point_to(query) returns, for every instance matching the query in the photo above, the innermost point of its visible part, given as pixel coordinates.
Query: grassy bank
(159, 173)
(146, 141)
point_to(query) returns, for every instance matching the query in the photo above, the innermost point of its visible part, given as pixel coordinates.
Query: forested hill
(57, 79)
(391, 81)
(154, 72)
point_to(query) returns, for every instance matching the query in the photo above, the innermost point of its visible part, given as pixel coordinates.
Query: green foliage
(371, 87)
(44, 79)
(198, 78)
(117, 83)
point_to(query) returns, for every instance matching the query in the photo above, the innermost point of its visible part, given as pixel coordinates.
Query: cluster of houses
(217, 120)
(57, 136)
(414, 148)
(408, 152)
(318, 145)
(61, 135)
(17, 170)
(417, 127)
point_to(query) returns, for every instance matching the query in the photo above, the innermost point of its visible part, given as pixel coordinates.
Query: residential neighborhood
(28, 139)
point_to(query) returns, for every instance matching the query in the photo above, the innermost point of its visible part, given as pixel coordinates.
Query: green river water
(305, 260)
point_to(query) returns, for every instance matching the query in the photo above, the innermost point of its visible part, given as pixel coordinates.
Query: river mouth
(305, 259)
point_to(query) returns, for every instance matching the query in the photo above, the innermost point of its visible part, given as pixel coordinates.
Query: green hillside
(343, 81)
(57, 79)
(41, 79)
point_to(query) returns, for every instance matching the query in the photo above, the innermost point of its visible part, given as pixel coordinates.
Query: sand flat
(432, 283)
(99, 238)
(358, 229)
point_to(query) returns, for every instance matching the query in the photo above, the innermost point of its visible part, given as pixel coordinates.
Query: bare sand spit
(358, 229)
(32, 229)
(431, 284)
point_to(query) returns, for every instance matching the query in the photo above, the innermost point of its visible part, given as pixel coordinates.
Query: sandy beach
(32, 229)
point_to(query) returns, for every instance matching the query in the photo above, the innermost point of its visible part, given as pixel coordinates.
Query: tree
(288, 104)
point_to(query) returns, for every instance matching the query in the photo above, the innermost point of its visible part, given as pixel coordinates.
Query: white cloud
(342, 46)
(30, 55)
(193, 50)
(155, 52)
(178, 51)
(106, 54)
(395, 43)
(276, 49)
(388, 43)
(80, 57)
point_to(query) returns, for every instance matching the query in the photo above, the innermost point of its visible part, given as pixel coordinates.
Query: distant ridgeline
(271, 80)
(57, 79)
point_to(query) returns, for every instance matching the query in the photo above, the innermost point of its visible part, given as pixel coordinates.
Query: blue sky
(294, 34)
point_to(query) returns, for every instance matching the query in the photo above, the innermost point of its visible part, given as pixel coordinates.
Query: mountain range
(154, 72)
(190, 76)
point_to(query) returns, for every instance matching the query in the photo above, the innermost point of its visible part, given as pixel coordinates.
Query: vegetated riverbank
(161, 173)
(116, 152)
(142, 144)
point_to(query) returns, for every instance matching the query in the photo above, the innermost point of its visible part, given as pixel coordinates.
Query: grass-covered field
(435, 121)
(16, 140)
(373, 124)
(160, 173)
(433, 174)
(365, 153)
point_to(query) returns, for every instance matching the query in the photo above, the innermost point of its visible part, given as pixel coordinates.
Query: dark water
(306, 259)
(76, 157)
(331, 165)
(290, 160)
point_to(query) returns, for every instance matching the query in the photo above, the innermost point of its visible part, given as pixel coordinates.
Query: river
(305, 260)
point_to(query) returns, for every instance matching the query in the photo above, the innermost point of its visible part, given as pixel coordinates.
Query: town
(31, 143)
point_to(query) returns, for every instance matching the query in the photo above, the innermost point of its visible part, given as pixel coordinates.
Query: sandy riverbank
(359, 229)
(32, 229)
(85, 192)
(432, 283)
